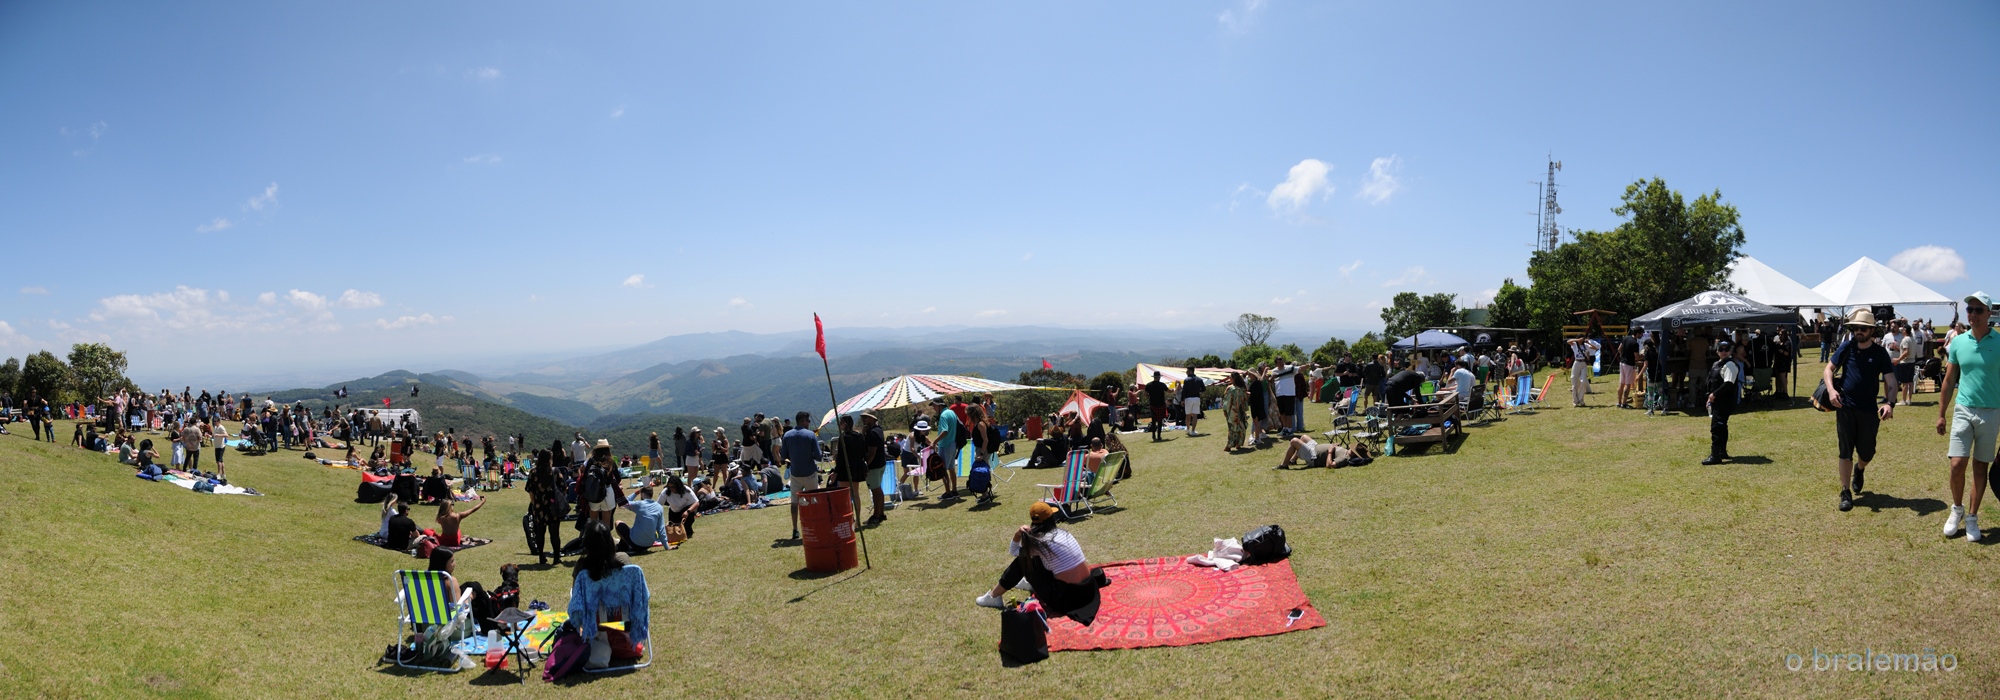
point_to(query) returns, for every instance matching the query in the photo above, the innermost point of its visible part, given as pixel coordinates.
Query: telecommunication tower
(1546, 232)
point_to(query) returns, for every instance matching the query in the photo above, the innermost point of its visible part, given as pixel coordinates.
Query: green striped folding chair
(426, 610)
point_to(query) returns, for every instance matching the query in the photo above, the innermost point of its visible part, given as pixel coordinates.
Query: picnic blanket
(1168, 602)
(542, 630)
(469, 543)
(188, 481)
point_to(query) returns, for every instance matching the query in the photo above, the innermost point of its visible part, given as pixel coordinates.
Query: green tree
(1409, 313)
(1329, 352)
(1668, 249)
(1368, 346)
(1109, 379)
(1209, 360)
(1510, 306)
(1051, 377)
(10, 376)
(1252, 329)
(1292, 352)
(1248, 356)
(95, 370)
(43, 375)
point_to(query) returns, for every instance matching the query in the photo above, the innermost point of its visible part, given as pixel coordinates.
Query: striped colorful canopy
(916, 388)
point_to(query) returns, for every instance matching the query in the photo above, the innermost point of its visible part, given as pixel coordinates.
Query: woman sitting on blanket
(681, 504)
(1051, 561)
(449, 520)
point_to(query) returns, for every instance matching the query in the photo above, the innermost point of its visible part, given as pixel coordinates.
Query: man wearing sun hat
(1857, 419)
(1972, 368)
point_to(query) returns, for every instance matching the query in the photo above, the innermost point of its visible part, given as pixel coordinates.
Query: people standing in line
(801, 448)
(1190, 393)
(1969, 412)
(1156, 401)
(1725, 390)
(1857, 419)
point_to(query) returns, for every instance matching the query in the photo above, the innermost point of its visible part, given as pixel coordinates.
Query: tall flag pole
(819, 346)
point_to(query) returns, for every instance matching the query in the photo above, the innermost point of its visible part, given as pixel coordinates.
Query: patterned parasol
(916, 388)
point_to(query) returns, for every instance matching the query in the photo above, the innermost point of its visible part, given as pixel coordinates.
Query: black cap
(1722, 346)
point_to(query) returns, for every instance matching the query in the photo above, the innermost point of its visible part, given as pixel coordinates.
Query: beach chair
(424, 610)
(1099, 495)
(1480, 409)
(1068, 497)
(630, 571)
(1012, 468)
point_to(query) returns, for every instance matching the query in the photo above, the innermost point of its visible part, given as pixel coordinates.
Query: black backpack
(593, 484)
(1265, 545)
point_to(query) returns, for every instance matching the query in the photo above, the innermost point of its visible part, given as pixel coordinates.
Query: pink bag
(566, 654)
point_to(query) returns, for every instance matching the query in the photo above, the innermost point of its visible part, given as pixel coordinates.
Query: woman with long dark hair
(1050, 559)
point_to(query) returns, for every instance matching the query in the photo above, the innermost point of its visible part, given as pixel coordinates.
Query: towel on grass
(468, 543)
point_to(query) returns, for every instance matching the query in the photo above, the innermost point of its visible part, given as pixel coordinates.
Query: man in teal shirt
(1972, 367)
(951, 437)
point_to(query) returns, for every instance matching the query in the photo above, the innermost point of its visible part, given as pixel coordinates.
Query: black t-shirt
(1191, 389)
(853, 461)
(1862, 370)
(1373, 372)
(401, 527)
(1628, 351)
(874, 439)
(1404, 382)
(1156, 393)
(1655, 369)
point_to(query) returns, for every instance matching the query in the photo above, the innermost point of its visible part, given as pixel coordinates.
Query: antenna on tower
(1547, 234)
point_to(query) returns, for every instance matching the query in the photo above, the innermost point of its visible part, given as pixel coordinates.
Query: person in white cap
(1972, 369)
(1857, 419)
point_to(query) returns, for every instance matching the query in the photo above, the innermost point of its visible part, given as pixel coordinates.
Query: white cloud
(1383, 180)
(357, 299)
(1281, 300)
(402, 322)
(1929, 263)
(1245, 192)
(1240, 16)
(1485, 296)
(619, 112)
(306, 300)
(35, 290)
(267, 298)
(222, 294)
(98, 129)
(990, 313)
(268, 196)
(1372, 304)
(219, 224)
(1303, 182)
(635, 282)
(1348, 270)
(1411, 275)
(739, 302)
(483, 159)
(929, 309)
(11, 339)
(486, 73)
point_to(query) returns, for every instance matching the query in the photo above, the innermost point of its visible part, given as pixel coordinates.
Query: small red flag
(385, 402)
(819, 338)
(1046, 365)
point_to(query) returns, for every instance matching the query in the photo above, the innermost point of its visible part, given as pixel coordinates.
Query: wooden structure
(1443, 418)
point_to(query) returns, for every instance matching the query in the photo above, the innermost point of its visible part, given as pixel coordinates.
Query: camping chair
(1012, 468)
(1100, 486)
(420, 598)
(630, 571)
(1069, 497)
(1480, 409)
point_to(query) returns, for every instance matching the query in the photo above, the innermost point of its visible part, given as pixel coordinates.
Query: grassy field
(1573, 552)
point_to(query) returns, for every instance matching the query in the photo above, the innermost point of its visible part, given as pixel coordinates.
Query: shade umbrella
(916, 388)
(1435, 339)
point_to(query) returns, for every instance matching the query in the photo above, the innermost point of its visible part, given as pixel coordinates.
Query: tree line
(93, 371)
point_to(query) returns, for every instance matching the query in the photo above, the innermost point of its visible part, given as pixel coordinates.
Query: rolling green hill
(446, 406)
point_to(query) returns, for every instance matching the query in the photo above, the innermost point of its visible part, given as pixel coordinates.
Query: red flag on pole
(1046, 365)
(385, 402)
(819, 338)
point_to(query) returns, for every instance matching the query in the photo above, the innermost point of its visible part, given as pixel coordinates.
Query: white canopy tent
(1762, 284)
(1869, 283)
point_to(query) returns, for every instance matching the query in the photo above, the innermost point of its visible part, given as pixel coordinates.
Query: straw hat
(603, 444)
(1863, 317)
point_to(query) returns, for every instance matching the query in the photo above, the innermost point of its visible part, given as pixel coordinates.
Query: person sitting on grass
(681, 504)
(448, 521)
(1052, 562)
(1303, 450)
(645, 529)
(389, 511)
(597, 595)
(400, 528)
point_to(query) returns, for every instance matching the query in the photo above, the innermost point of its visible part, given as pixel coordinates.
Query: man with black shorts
(1285, 393)
(1857, 419)
(1156, 399)
(1723, 395)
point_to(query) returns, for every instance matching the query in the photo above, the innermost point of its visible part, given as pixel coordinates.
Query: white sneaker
(1972, 528)
(988, 600)
(1951, 521)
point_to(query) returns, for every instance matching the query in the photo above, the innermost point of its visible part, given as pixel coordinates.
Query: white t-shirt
(679, 501)
(1060, 551)
(1463, 377)
(1282, 382)
(1909, 347)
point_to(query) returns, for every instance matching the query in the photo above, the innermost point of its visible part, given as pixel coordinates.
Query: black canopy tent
(1719, 309)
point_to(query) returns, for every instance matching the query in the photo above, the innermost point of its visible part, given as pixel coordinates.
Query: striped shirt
(1060, 552)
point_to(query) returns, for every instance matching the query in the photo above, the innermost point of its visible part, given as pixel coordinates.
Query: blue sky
(266, 185)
